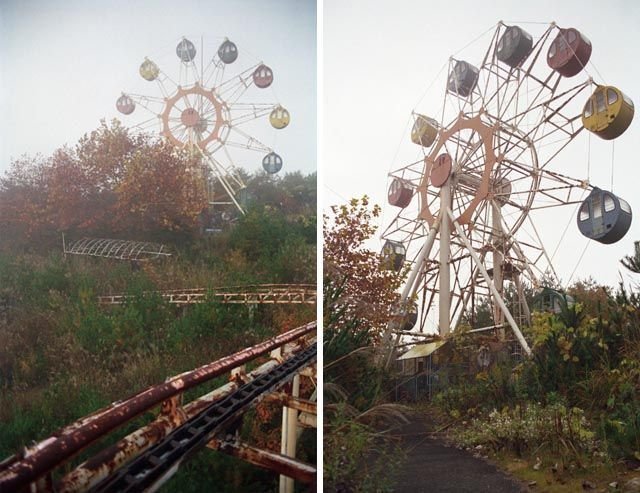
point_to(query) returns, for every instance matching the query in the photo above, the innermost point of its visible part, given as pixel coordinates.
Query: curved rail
(117, 249)
(20, 471)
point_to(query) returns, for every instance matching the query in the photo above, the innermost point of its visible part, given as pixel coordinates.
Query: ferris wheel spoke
(160, 82)
(552, 109)
(247, 113)
(207, 69)
(243, 80)
(504, 97)
(495, 94)
(407, 228)
(238, 92)
(409, 175)
(556, 200)
(229, 86)
(151, 122)
(473, 163)
(146, 103)
(140, 98)
(209, 112)
(180, 133)
(195, 74)
(214, 73)
(187, 103)
(251, 142)
(222, 176)
(230, 173)
(527, 263)
(232, 169)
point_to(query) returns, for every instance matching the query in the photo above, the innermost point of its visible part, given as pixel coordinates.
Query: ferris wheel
(465, 209)
(203, 109)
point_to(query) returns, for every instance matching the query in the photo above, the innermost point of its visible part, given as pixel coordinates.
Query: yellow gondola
(424, 131)
(279, 118)
(149, 70)
(608, 112)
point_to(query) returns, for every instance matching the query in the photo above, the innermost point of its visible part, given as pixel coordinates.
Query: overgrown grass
(64, 356)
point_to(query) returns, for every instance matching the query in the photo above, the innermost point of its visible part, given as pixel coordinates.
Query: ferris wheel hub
(190, 117)
(209, 123)
(437, 172)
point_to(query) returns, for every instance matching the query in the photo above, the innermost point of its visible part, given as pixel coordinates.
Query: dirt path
(433, 467)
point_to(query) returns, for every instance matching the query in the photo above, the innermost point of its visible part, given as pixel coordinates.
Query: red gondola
(569, 52)
(399, 194)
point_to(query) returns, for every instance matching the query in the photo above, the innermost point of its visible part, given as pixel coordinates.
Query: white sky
(63, 64)
(380, 57)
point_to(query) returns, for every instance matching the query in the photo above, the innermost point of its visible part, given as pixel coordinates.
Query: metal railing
(252, 294)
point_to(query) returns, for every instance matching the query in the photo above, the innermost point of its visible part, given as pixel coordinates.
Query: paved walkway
(433, 467)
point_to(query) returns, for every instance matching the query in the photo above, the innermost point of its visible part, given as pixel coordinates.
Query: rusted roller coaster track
(151, 467)
(33, 468)
(259, 294)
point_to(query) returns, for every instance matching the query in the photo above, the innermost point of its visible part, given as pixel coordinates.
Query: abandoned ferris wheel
(487, 163)
(204, 111)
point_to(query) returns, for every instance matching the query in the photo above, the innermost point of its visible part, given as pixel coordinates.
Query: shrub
(560, 429)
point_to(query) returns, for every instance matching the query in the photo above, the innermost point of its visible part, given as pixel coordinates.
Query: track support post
(289, 439)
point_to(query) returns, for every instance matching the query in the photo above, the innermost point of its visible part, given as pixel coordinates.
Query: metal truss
(256, 294)
(140, 251)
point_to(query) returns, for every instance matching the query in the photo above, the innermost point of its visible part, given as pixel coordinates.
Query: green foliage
(281, 248)
(585, 357)
(340, 339)
(620, 430)
(26, 423)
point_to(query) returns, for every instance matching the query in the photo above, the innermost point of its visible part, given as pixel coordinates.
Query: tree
(633, 262)
(110, 183)
(363, 289)
(359, 297)
(23, 201)
(161, 189)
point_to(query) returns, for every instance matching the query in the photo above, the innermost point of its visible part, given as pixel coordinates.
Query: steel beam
(266, 459)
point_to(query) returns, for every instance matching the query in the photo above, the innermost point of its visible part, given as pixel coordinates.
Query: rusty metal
(308, 420)
(253, 294)
(266, 459)
(296, 403)
(152, 468)
(310, 371)
(94, 470)
(66, 443)
(100, 466)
